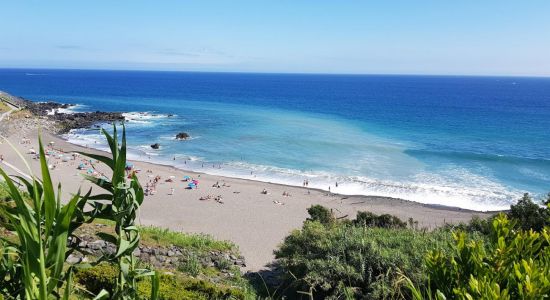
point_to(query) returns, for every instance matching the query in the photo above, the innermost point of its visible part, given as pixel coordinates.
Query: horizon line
(273, 73)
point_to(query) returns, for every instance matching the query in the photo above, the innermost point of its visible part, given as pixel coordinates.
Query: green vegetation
(529, 215)
(119, 205)
(103, 277)
(40, 225)
(337, 259)
(514, 265)
(200, 242)
(376, 257)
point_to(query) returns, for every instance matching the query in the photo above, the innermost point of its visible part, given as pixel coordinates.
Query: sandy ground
(256, 222)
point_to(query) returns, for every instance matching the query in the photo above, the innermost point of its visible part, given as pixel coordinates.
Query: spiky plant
(120, 204)
(33, 260)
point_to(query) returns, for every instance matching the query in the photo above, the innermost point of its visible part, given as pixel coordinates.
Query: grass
(202, 242)
(156, 236)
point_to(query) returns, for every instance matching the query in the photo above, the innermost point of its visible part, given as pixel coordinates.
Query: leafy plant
(350, 261)
(321, 214)
(33, 261)
(368, 219)
(515, 265)
(529, 215)
(120, 204)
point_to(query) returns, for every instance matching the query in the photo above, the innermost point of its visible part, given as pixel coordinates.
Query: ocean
(471, 142)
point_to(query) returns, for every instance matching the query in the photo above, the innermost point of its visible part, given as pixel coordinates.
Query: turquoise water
(472, 142)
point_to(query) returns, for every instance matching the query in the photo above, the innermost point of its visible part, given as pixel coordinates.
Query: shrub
(174, 287)
(320, 214)
(475, 225)
(332, 261)
(368, 219)
(97, 278)
(529, 215)
(515, 265)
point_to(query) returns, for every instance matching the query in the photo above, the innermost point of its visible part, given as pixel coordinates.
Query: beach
(234, 209)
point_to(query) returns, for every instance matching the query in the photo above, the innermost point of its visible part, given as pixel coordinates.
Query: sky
(466, 37)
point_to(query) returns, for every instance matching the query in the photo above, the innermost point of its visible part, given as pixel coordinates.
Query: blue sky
(492, 37)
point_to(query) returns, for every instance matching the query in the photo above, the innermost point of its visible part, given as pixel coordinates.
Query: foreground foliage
(514, 265)
(120, 205)
(31, 265)
(343, 259)
(172, 286)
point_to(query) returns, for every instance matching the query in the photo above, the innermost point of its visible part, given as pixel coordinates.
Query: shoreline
(59, 137)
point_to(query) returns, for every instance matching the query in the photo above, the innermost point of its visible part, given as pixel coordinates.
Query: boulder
(182, 136)
(155, 146)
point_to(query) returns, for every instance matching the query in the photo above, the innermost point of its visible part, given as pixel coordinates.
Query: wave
(466, 190)
(473, 156)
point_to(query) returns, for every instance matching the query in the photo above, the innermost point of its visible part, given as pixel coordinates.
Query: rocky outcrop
(155, 146)
(182, 136)
(169, 257)
(85, 120)
(43, 108)
(68, 121)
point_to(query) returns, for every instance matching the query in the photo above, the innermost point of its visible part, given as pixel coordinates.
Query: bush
(97, 278)
(332, 261)
(368, 219)
(476, 225)
(320, 214)
(515, 265)
(529, 215)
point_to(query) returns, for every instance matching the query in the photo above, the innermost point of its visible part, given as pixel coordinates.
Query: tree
(528, 214)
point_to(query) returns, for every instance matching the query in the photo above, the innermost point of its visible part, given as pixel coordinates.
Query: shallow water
(471, 142)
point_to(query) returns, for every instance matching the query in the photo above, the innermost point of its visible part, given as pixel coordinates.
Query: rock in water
(182, 136)
(155, 146)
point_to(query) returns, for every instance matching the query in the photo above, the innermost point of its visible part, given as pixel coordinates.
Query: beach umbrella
(191, 184)
(195, 181)
(186, 177)
(172, 176)
(65, 159)
(32, 151)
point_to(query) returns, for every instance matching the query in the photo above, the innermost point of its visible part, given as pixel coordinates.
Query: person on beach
(171, 191)
(336, 183)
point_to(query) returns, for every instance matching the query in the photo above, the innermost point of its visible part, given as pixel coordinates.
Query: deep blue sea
(471, 142)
